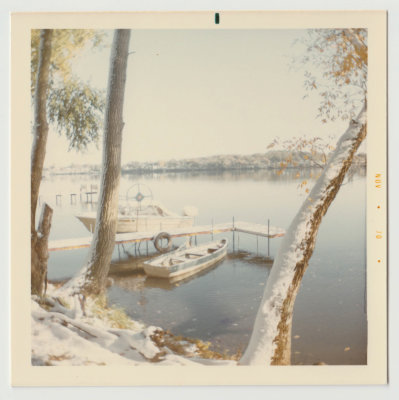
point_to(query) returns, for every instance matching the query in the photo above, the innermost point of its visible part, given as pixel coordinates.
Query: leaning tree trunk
(40, 132)
(92, 278)
(270, 342)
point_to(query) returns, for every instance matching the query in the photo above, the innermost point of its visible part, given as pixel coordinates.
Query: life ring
(158, 242)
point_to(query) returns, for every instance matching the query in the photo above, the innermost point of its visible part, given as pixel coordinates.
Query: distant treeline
(271, 160)
(274, 159)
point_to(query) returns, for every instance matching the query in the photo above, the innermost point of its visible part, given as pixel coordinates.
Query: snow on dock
(239, 226)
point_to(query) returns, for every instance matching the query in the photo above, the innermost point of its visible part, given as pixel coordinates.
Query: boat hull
(187, 268)
(141, 224)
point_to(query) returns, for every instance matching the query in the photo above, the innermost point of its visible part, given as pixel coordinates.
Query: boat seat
(194, 254)
(176, 259)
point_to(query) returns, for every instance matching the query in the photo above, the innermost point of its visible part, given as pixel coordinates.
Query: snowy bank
(65, 333)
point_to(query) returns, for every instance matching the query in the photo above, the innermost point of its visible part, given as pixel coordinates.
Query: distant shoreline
(193, 170)
(272, 160)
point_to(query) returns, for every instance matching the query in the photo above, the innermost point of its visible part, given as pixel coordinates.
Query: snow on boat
(186, 260)
(143, 215)
(151, 218)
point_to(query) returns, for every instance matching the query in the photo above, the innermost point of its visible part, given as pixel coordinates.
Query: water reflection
(288, 174)
(122, 275)
(218, 304)
(138, 281)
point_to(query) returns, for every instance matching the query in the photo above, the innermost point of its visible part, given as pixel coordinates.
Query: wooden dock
(135, 237)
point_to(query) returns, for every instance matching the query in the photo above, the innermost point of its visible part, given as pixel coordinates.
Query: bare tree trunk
(270, 342)
(40, 132)
(39, 255)
(96, 270)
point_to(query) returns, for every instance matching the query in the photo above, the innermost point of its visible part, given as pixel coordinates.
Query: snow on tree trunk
(270, 342)
(40, 133)
(92, 278)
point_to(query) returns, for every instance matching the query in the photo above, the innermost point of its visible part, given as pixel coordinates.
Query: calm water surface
(330, 322)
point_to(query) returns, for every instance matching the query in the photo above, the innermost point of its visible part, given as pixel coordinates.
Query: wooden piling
(233, 235)
(257, 245)
(268, 238)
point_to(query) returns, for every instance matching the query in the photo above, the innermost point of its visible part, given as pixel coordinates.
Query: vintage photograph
(198, 197)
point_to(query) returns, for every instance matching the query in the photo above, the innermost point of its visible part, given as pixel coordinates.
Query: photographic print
(206, 194)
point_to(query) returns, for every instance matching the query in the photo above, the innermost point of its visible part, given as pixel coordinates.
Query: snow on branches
(336, 62)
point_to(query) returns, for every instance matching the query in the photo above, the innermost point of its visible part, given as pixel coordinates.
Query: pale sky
(193, 93)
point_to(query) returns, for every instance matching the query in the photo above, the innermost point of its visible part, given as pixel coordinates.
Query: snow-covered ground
(65, 333)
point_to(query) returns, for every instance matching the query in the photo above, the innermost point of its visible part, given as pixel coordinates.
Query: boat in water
(186, 260)
(140, 213)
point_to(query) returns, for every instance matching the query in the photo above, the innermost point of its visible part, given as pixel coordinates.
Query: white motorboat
(141, 213)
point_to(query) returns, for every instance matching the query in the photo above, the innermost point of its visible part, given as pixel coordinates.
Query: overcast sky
(192, 93)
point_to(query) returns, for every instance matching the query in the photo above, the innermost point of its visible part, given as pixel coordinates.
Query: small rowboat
(186, 260)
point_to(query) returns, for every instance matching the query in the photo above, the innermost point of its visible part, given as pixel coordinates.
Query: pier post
(83, 189)
(268, 238)
(233, 235)
(212, 228)
(257, 245)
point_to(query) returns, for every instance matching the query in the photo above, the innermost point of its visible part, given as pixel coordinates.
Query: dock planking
(134, 237)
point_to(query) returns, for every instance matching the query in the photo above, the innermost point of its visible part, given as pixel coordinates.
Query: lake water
(219, 306)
